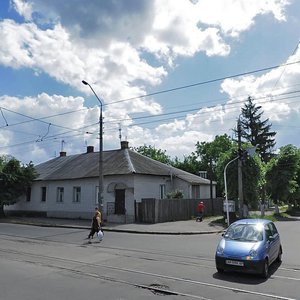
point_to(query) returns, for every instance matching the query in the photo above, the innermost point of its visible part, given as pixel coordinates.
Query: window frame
(60, 194)
(43, 194)
(162, 191)
(28, 194)
(76, 194)
(196, 191)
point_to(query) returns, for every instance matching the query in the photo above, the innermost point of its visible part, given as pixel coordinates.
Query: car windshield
(245, 232)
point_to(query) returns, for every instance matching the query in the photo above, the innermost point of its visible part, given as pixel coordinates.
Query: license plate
(234, 263)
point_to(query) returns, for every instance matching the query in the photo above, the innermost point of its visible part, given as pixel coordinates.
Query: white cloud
(184, 144)
(271, 86)
(23, 8)
(171, 128)
(102, 42)
(52, 52)
(236, 16)
(108, 44)
(277, 92)
(163, 27)
(30, 124)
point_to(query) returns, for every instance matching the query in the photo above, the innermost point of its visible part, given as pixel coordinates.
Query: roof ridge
(128, 158)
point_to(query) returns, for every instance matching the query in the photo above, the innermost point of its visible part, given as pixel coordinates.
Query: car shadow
(245, 278)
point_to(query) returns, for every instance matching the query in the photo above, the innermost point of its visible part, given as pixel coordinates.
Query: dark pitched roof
(115, 162)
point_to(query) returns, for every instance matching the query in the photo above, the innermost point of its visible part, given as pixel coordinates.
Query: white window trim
(60, 194)
(162, 191)
(76, 194)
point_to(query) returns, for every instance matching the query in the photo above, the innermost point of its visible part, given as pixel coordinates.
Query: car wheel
(279, 257)
(220, 270)
(265, 271)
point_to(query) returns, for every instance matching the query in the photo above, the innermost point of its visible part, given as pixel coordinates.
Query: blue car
(249, 245)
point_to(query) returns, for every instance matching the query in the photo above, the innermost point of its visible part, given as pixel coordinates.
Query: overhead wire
(222, 105)
(143, 96)
(162, 91)
(206, 82)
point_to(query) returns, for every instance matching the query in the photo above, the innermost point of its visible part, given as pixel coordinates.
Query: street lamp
(226, 196)
(100, 193)
(251, 153)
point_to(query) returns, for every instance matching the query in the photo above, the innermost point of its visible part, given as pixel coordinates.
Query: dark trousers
(93, 231)
(199, 217)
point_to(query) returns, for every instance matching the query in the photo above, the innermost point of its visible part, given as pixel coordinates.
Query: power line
(230, 106)
(147, 95)
(143, 96)
(206, 82)
(222, 105)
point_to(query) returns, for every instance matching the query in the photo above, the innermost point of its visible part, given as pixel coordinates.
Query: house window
(28, 194)
(162, 191)
(44, 194)
(60, 194)
(196, 191)
(76, 194)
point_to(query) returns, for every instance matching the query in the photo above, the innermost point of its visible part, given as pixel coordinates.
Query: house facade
(67, 186)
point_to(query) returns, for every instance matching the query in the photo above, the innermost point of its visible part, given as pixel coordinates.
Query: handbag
(100, 235)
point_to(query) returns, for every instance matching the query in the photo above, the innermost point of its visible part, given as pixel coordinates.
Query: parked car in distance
(249, 245)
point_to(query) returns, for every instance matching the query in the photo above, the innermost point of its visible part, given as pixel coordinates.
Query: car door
(276, 241)
(269, 243)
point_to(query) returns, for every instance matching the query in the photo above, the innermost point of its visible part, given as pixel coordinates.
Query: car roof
(253, 221)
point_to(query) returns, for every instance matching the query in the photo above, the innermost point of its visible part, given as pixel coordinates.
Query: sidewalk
(189, 227)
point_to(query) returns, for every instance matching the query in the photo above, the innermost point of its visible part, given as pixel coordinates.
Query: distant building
(67, 186)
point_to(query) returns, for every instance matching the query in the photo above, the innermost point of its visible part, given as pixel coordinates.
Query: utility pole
(100, 163)
(211, 185)
(240, 177)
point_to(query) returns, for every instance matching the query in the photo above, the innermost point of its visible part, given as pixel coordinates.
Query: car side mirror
(271, 238)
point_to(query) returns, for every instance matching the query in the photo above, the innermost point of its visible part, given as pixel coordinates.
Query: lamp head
(84, 82)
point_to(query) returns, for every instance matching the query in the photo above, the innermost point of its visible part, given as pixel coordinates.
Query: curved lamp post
(251, 152)
(100, 193)
(225, 183)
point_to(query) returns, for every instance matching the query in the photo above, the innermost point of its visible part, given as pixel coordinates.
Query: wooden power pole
(240, 177)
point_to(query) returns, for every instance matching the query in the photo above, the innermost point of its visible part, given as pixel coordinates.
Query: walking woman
(96, 226)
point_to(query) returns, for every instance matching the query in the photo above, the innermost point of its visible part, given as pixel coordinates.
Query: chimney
(62, 153)
(89, 149)
(124, 145)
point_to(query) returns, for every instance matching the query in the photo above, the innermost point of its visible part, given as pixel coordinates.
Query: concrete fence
(166, 210)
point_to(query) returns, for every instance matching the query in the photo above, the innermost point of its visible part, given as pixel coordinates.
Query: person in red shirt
(200, 210)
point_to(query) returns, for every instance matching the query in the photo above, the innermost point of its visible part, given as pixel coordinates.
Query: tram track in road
(95, 271)
(169, 257)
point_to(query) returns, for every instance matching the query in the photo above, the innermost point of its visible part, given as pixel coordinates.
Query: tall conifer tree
(256, 131)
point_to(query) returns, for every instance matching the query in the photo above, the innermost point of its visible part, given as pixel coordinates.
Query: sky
(168, 73)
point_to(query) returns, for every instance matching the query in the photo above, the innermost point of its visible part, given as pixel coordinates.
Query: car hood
(238, 248)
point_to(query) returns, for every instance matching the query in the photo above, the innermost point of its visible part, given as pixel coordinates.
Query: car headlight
(252, 254)
(220, 250)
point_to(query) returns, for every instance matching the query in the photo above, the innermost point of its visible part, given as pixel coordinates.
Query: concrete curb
(113, 229)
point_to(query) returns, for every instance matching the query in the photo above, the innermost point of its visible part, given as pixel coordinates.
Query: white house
(67, 186)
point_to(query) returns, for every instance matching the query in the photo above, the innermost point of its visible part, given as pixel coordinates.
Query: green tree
(15, 179)
(294, 198)
(257, 132)
(281, 175)
(189, 164)
(209, 154)
(152, 152)
(252, 173)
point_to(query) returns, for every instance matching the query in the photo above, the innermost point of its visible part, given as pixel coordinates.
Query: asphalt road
(58, 263)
